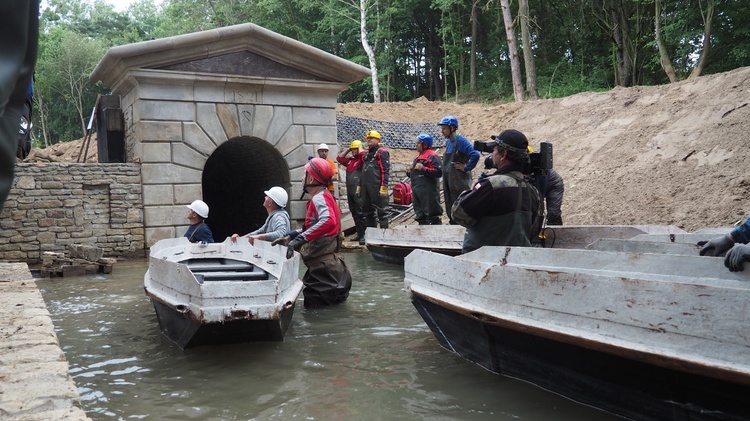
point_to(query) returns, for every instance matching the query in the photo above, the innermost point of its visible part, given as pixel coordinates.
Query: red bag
(402, 193)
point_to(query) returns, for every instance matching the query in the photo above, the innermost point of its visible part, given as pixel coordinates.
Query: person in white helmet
(277, 223)
(198, 231)
(323, 153)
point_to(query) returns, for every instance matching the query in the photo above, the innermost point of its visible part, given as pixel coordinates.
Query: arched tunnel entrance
(234, 178)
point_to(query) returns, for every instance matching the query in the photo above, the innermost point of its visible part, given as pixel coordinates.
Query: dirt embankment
(673, 154)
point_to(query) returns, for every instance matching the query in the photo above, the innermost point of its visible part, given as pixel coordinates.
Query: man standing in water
(327, 279)
(458, 161)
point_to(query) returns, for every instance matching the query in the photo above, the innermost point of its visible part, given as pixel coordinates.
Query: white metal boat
(393, 244)
(642, 335)
(222, 292)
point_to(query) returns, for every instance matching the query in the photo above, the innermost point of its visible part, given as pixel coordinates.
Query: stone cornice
(119, 62)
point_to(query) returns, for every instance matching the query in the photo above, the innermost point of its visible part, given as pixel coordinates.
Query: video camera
(538, 161)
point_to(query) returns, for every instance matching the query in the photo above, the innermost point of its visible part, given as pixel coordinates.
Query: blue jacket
(741, 234)
(199, 232)
(465, 148)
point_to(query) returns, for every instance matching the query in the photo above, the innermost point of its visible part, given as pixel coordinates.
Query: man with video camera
(503, 209)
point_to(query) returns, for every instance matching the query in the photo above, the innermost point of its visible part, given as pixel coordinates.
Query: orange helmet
(320, 170)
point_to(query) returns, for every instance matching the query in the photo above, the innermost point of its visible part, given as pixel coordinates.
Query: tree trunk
(666, 62)
(707, 27)
(515, 63)
(41, 108)
(528, 52)
(369, 50)
(473, 58)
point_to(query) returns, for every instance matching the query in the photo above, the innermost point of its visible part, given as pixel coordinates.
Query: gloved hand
(717, 246)
(358, 192)
(286, 239)
(384, 192)
(737, 256)
(295, 244)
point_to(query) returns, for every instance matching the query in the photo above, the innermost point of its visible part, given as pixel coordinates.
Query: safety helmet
(200, 207)
(320, 170)
(323, 146)
(373, 133)
(449, 120)
(278, 195)
(356, 144)
(426, 139)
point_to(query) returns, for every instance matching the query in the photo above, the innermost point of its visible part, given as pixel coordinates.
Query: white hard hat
(200, 207)
(278, 195)
(323, 146)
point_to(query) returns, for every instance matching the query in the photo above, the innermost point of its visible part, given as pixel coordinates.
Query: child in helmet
(198, 231)
(327, 279)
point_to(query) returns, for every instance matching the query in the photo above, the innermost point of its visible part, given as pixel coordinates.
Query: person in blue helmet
(425, 173)
(459, 160)
(734, 244)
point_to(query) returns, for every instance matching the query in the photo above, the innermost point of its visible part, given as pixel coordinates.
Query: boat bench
(216, 267)
(231, 276)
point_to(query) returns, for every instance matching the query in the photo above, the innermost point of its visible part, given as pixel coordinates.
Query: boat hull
(222, 293)
(642, 335)
(186, 330)
(618, 385)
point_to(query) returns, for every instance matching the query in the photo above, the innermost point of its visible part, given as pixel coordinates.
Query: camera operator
(503, 209)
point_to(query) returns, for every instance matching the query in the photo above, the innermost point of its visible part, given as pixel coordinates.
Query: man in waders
(373, 190)
(504, 209)
(353, 166)
(327, 279)
(458, 161)
(425, 175)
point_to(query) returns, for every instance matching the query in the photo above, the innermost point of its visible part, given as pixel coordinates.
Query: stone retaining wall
(52, 205)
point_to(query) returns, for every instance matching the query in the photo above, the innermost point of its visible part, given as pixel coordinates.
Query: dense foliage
(421, 47)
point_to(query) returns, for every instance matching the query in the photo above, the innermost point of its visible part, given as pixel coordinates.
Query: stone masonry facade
(53, 205)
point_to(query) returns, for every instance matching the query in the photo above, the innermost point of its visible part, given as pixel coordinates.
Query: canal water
(372, 358)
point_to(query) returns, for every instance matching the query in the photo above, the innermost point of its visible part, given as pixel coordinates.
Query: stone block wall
(53, 205)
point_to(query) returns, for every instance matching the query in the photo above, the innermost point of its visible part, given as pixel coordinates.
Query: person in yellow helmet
(376, 170)
(353, 166)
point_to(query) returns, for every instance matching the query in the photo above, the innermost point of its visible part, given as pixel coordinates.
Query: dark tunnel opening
(234, 179)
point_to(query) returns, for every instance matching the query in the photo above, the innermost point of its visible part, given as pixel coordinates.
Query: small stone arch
(234, 180)
(197, 106)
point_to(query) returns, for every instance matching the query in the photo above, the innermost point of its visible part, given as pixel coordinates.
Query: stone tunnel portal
(234, 179)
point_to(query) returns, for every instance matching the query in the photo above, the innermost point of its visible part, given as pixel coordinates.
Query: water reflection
(371, 358)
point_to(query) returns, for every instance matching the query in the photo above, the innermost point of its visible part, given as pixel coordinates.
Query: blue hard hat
(449, 120)
(426, 139)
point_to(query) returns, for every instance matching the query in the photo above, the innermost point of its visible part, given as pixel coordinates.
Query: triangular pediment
(244, 63)
(242, 50)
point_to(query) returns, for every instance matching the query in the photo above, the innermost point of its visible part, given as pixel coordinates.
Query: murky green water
(371, 358)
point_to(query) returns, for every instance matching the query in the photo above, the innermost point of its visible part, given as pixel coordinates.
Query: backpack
(402, 193)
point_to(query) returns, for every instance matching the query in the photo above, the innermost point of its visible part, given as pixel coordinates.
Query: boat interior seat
(231, 276)
(220, 267)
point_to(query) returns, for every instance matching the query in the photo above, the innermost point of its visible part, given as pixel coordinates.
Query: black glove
(297, 242)
(286, 239)
(717, 246)
(736, 258)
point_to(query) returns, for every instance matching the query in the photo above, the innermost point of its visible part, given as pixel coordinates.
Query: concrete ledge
(34, 379)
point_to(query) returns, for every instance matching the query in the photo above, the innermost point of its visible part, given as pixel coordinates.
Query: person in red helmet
(327, 279)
